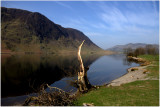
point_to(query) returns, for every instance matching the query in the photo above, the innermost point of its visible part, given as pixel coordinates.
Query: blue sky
(106, 23)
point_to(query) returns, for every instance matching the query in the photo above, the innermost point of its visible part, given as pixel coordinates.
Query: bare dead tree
(83, 82)
(59, 97)
(82, 71)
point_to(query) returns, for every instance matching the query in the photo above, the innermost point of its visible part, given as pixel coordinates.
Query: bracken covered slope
(24, 31)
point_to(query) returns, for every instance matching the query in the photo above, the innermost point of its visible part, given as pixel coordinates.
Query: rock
(134, 69)
(88, 104)
(146, 63)
(144, 72)
(132, 76)
(109, 85)
(137, 59)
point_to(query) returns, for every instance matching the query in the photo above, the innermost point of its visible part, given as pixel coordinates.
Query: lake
(22, 75)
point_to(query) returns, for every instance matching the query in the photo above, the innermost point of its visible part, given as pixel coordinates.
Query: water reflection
(129, 61)
(23, 74)
(107, 68)
(83, 83)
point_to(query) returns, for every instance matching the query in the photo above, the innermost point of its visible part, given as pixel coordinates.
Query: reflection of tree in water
(83, 82)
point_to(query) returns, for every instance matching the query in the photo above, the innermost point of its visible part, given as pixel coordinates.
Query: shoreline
(133, 74)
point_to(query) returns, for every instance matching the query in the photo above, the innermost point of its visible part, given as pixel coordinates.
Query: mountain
(119, 48)
(24, 31)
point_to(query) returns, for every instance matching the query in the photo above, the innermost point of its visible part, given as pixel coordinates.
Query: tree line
(148, 49)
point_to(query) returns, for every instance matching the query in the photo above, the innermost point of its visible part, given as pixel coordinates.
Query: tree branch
(82, 71)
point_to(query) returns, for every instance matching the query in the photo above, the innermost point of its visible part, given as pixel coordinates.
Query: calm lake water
(22, 75)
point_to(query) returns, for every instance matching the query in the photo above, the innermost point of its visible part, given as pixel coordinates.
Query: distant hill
(24, 31)
(119, 48)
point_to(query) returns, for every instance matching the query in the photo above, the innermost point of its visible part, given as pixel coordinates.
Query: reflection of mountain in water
(117, 56)
(22, 74)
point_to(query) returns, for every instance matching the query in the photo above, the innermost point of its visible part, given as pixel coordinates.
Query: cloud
(114, 16)
(98, 25)
(77, 23)
(93, 34)
(114, 23)
(129, 21)
(64, 5)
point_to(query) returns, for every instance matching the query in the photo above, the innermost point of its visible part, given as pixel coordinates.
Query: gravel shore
(134, 74)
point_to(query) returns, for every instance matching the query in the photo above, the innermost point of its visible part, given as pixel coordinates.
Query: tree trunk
(82, 71)
(83, 82)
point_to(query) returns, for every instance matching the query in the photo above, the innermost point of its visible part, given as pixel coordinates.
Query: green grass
(154, 67)
(150, 57)
(154, 71)
(139, 93)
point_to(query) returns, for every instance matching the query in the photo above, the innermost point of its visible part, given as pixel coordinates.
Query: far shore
(103, 52)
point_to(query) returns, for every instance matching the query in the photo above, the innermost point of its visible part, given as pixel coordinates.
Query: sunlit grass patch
(154, 67)
(139, 93)
(150, 57)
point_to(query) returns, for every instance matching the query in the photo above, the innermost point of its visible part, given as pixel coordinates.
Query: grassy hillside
(24, 31)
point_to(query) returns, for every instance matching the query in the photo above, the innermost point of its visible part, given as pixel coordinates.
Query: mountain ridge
(27, 31)
(119, 48)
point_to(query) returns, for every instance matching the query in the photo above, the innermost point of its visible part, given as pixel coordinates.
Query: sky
(106, 23)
